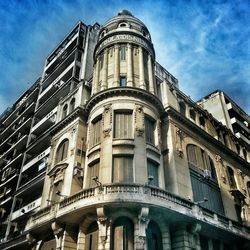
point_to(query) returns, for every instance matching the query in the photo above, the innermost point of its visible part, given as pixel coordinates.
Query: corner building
(134, 163)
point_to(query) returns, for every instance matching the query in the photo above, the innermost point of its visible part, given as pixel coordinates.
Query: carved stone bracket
(58, 232)
(180, 136)
(139, 120)
(102, 221)
(107, 120)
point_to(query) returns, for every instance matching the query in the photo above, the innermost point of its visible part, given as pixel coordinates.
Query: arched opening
(72, 105)
(62, 151)
(64, 111)
(123, 234)
(192, 114)
(91, 237)
(154, 237)
(231, 178)
(182, 108)
(202, 121)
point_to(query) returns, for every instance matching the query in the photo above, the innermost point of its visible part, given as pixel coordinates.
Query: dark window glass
(153, 175)
(62, 151)
(123, 81)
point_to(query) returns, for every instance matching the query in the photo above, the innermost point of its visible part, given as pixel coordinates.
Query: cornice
(125, 91)
(193, 130)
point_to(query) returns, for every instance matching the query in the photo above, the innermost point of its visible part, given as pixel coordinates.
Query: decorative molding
(139, 120)
(102, 221)
(107, 120)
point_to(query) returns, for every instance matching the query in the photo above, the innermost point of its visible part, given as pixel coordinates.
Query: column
(151, 75)
(116, 67)
(141, 69)
(58, 232)
(180, 238)
(68, 239)
(96, 77)
(129, 66)
(105, 70)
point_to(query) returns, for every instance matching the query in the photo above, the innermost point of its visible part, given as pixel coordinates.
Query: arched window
(202, 121)
(198, 158)
(192, 114)
(123, 234)
(62, 151)
(245, 154)
(154, 237)
(72, 105)
(203, 179)
(64, 111)
(91, 237)
(231, 178)
(182, 108)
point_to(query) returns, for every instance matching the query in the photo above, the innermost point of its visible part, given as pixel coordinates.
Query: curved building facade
(126, 161)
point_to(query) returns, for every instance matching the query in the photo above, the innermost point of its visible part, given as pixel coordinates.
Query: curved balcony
(130, 195)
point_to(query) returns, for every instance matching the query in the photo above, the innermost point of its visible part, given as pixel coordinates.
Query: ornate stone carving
(180, 136)
(107, 120)
(102, 221)
(139, 120)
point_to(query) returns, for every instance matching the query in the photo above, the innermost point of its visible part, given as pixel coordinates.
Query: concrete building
(117, 157)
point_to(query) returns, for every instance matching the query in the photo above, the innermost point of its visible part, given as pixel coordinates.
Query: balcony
(13, 162)
(26, 209)
(241, 124)
(36, 159)
(131, 195)
(19, 144)
(25, 125)
(241, 136)
(27, 113)
(45, 122)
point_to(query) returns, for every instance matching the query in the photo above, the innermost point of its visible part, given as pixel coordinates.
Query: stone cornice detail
(125, 91)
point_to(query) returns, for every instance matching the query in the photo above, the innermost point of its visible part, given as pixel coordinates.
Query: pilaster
(141, 69)
(129, 66)
(116, 67)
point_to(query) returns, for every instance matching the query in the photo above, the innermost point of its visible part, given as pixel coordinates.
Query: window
(153, 176)
(79, 56)
(149, 130)
(248, 187)
(72, 105)
(231, 178)
(123, 234)
(202, 121)
(198, 158)
(64, 111)
(154, 237)
(123, 81)
(123, 125)
(95, 132)
(62, 151)
(93, 170)
(123, 169)
(182, 108)
(192, 114)
(91, 238)
(77, 72)
(122, 53)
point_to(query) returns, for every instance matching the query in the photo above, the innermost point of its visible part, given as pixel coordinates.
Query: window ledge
(124, 142)
(93, 149)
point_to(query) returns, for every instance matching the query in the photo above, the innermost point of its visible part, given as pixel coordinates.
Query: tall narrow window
(149, 130)
(62, 151)
(123, 234)
(64, 111)
(153, 175)
(123, 125)
(95, 132)
(182, 108)
(93, 170)
(202, 121)
(91, 238)
(248, 187)
(123, 53)
(123, 169)
(72, 105)
(192, 114)
(154, 237)
(231, 178)
(123, 81)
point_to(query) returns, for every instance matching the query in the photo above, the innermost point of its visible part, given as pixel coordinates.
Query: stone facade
(131, 161)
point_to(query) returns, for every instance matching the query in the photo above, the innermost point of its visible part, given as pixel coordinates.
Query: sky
(204, 44)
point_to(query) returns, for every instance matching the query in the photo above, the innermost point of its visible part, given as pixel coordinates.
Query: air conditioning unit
(207, 174)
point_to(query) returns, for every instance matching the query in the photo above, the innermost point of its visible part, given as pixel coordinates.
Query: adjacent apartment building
(105, 152)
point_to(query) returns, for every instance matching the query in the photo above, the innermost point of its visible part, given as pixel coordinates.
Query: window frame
(62, 151)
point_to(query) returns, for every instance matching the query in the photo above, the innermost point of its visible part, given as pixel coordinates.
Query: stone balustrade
(137, 194)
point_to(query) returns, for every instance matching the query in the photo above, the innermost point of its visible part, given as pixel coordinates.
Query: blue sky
(205, 44)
